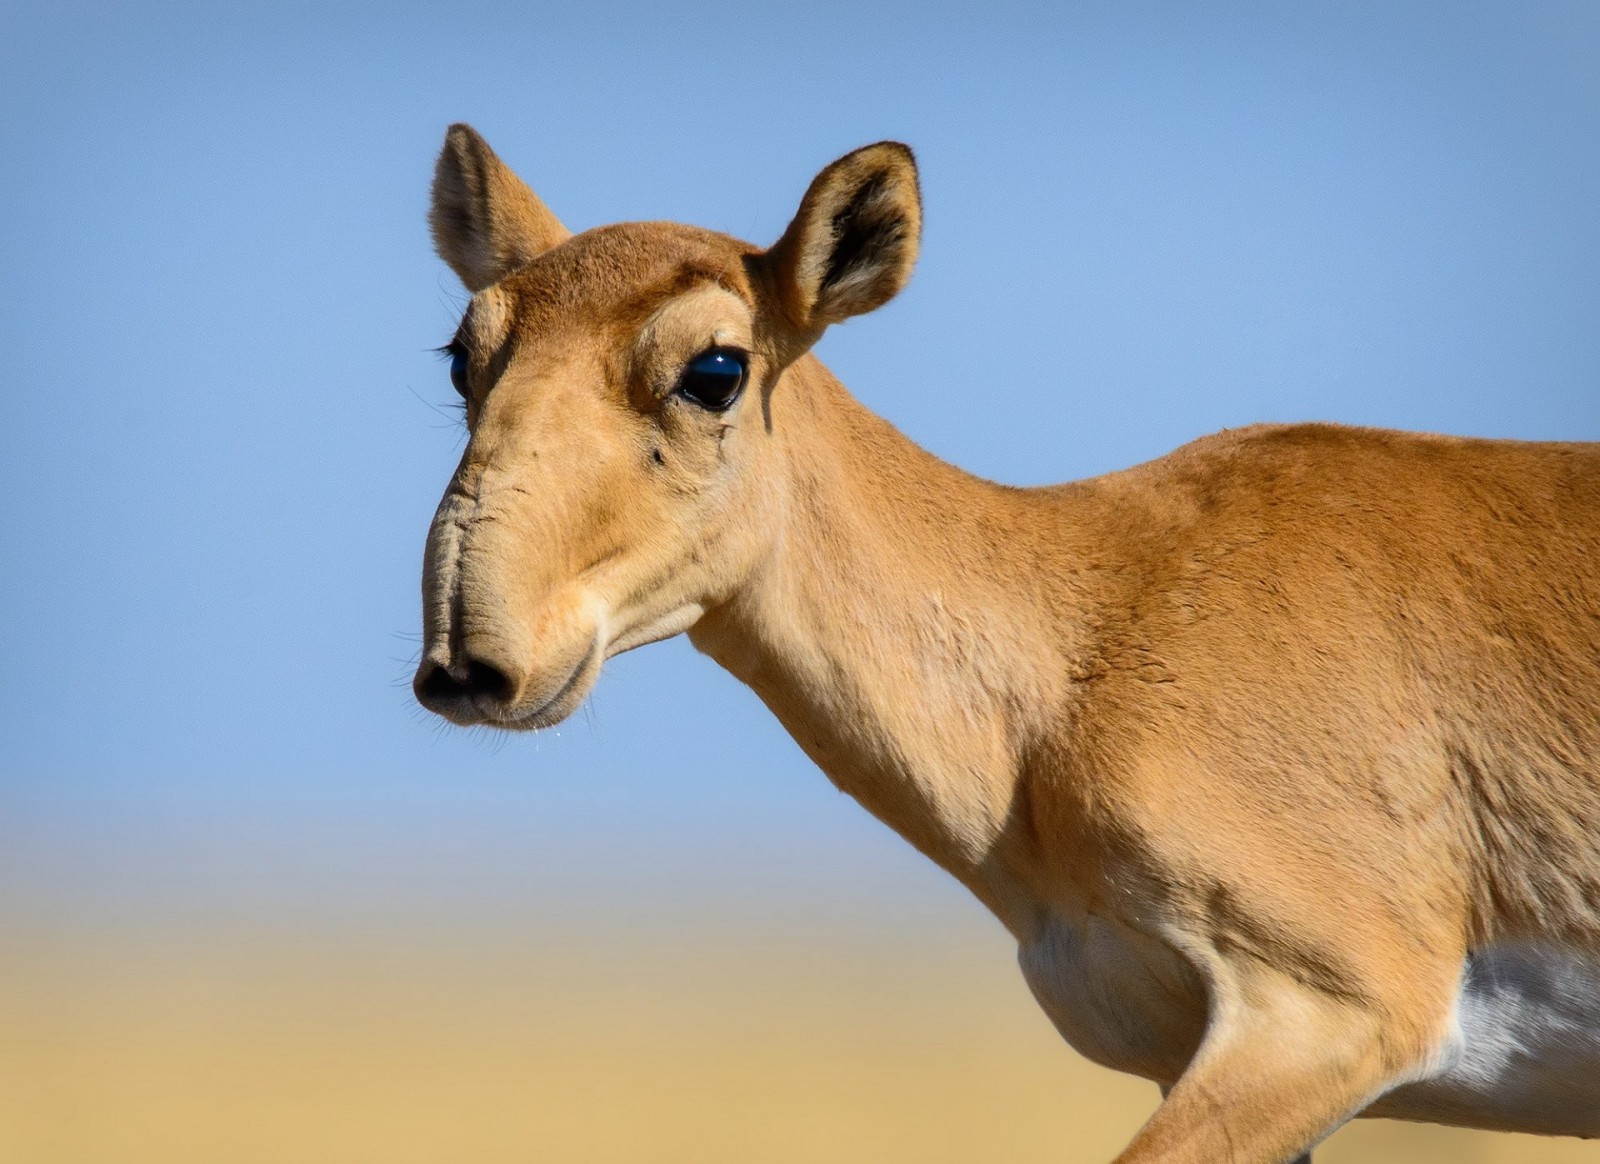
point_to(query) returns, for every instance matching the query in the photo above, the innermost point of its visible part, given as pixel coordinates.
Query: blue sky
(223, 438)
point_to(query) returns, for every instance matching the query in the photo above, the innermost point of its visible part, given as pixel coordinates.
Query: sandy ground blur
(254, 1044)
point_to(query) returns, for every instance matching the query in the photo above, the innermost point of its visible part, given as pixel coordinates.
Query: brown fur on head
(598, 506)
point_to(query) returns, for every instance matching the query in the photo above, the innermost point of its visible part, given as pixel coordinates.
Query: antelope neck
(898, 627)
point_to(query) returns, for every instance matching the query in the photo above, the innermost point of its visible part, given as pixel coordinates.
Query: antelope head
(625, 460)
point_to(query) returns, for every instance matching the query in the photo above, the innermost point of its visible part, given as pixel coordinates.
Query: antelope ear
(485, 220)
(853, 242)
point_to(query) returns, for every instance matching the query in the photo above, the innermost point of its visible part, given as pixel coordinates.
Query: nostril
(484, 679)
(438, 684)
(481, 678)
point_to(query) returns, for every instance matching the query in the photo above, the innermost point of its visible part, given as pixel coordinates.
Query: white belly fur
(1523, 1053)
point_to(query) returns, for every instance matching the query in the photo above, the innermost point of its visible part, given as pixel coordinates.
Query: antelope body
(1279, 756)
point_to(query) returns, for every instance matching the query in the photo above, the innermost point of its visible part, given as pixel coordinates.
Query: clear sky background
(222, 436)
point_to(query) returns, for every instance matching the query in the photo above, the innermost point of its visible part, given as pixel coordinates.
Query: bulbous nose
(470, 686)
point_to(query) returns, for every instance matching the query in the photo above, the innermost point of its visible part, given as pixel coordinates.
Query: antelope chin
(531, 715)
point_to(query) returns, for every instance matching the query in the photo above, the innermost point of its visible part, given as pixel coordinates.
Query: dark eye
(458, 370)
(713, 379)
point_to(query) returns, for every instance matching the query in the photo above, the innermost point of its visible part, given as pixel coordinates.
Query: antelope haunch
(1279, 756)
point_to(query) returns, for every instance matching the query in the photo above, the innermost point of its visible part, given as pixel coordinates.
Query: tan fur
(485, 220)
(1307, 712)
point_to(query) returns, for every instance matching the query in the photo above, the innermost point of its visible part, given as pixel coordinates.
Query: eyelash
(448, 352)
(458, 366)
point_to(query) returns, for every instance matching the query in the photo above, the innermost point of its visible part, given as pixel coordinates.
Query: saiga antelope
(1279, 756)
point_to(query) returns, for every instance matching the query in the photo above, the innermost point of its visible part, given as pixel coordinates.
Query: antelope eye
(713, 379)
(458, 370)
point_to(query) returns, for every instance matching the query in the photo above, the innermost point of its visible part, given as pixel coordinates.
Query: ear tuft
(854, 241)
(485, 221)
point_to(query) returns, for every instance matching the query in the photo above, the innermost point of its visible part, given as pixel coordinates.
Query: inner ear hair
(854, 241)
(485, 221)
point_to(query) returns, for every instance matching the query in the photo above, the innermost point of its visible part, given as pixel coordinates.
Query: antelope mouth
(563, 703)
(475, 692)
